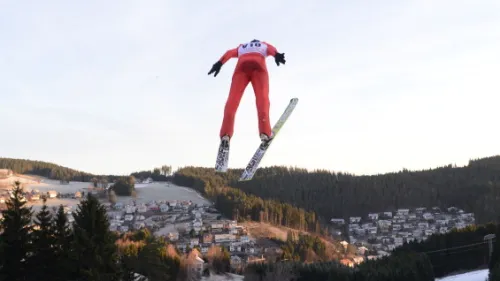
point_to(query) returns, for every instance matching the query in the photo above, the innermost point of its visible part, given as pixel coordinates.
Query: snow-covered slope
(478, 275)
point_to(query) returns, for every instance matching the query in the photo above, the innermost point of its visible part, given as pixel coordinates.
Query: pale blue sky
(119, 86)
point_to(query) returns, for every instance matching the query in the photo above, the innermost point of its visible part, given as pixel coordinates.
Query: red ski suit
(251, 67)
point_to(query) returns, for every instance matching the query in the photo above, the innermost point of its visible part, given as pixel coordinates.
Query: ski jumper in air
(251, 67)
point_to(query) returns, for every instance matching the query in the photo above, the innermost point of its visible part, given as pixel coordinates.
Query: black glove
(279, 58)
(215, 68)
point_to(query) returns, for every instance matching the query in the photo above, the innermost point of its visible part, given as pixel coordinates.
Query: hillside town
(379, 233)
(184, 224)
(188, 226)
(191, 226)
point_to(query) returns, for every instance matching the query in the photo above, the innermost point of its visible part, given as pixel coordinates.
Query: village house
(173, 236)
(390, 247)
(244, 239)
(373, 216)
(366, 225)
(423, 225)
(142, 209)
(235, 262)
(360, 231)
(355, 219)
(52, 193)
(467, 216)
(420, 210)
(154, 208)
(197, 215)
(139, 225)
(386, 240)
(372, 230)
(163, 208)
(221, 238)
(254, 259)
(384, 223)
(347, 262)
(204, 248)
(338, 221)
(428, 216)
(197, 265)
(129, 209)
(358, 260)
(417, 233)
(197, 223)
(442, 222)
(230, 224)
(194, 242)
(407, 226)
(398, 241)
(207, 238)
(403, 212)
(382, 254)
(362, 250)
(353, 226)
(217, 226)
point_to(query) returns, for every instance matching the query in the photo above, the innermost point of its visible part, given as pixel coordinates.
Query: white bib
(253, 47)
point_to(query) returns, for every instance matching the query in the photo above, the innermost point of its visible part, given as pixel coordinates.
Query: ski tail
(221, 163)
(253, 164)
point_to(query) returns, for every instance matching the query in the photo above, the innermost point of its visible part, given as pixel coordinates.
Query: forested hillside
(57, 172)
(475, 187)
(239, 205)
(44, 169)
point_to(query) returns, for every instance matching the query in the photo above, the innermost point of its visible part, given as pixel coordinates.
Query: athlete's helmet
(254, 40)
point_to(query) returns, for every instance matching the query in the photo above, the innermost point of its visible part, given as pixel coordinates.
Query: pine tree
(15, 237)
(93, 243)
(62, 235)
(43, 260)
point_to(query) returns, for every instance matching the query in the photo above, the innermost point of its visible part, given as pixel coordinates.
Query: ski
(253, 165)
(222, 157)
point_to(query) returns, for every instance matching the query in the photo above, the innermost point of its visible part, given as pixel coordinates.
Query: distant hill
(475, 188)
(46, 169)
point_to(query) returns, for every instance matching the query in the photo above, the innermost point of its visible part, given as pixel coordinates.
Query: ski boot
(265, 140)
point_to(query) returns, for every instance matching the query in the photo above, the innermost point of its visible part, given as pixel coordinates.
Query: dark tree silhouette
(16, 237)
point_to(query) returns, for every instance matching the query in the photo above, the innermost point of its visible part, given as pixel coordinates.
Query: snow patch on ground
(478, 275)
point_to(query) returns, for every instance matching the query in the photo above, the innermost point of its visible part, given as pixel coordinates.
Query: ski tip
(294, 99)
